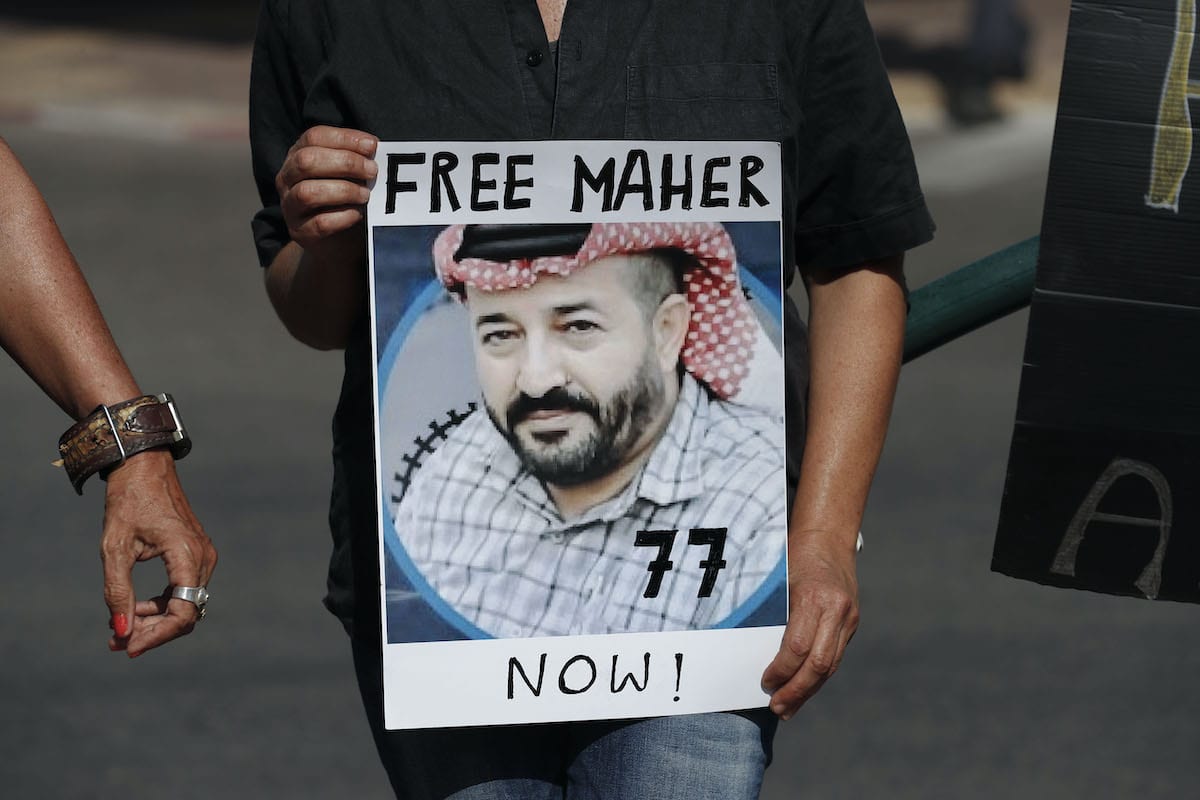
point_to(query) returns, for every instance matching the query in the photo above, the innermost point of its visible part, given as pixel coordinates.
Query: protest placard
(1101, 488)
(579, 428)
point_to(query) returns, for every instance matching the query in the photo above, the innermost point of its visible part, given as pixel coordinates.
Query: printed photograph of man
(611, 480)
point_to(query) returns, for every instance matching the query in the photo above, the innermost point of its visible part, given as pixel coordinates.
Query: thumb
(118, 592)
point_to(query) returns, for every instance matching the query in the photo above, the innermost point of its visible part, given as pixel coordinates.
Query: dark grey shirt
(805, 73)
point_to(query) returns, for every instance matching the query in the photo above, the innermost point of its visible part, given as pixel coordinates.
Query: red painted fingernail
(120, 625)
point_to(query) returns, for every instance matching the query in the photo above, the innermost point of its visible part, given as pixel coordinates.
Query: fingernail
(120, 625)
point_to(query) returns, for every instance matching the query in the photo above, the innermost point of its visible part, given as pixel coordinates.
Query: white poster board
(572, 524)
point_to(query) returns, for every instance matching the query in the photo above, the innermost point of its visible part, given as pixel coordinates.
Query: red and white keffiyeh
(722, 332)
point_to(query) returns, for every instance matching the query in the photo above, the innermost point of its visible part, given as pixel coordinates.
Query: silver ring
(196, 595)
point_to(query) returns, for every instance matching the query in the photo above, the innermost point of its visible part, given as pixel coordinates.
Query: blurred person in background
(51, 326)
(996, 49)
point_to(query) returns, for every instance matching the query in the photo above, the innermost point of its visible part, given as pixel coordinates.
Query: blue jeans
(717, 756)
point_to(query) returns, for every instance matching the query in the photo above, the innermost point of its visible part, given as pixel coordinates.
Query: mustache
(556, 399)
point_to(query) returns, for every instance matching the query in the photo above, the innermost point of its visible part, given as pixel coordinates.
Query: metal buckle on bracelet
(116, 434)
(179, 435)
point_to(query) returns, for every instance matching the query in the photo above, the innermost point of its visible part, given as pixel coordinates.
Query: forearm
(51, 325)
(49, 321)
(318, 296)
(856, 340)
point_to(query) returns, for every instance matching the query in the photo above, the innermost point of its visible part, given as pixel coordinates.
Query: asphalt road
(960, 683)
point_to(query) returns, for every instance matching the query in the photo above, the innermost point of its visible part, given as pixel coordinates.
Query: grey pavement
(960, 683)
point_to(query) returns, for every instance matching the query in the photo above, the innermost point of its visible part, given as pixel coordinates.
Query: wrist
(339, 251)
(842, 540)
(142, 465)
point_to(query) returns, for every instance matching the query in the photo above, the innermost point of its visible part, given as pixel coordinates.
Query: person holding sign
(610, 434)
(329, 80)
(51, 326)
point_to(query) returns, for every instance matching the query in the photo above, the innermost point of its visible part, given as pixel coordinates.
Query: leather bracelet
(101, 441)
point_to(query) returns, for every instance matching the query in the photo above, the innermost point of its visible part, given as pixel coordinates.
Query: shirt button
(534, 57)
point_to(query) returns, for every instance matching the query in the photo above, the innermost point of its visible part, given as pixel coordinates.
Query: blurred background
(960, 683)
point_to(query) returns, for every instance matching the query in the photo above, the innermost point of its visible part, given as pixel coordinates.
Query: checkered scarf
(722, 331)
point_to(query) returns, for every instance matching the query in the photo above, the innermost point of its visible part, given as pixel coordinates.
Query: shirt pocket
(703, 101)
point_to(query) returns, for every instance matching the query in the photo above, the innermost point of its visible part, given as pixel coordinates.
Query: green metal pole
(970, 297)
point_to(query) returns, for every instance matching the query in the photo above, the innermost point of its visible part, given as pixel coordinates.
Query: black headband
(511, 242)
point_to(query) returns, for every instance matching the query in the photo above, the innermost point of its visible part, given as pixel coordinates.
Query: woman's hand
(146, 516)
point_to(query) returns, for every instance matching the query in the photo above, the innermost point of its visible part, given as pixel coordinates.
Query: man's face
(569, 370)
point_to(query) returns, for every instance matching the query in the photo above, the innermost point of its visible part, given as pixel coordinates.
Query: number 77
(664, 540)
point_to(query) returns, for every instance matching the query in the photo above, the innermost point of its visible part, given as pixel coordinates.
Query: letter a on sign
(1151, 577)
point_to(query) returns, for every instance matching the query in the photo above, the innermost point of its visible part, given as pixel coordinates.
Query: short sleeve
(858, 196)
(276, 99)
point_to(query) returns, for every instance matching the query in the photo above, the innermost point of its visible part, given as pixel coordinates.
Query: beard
(616, 426)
